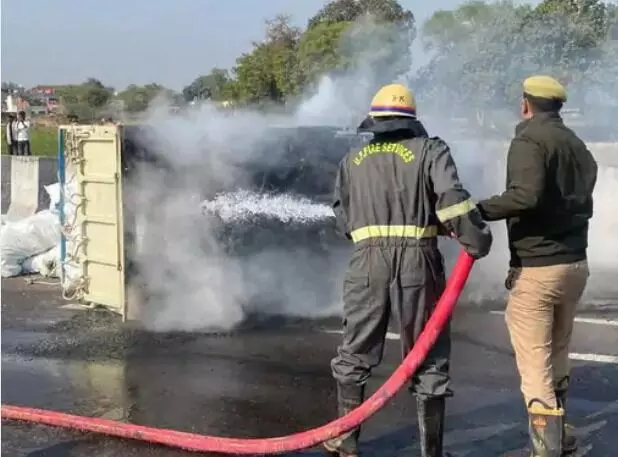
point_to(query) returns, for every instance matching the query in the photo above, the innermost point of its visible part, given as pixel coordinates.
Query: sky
(141, 41)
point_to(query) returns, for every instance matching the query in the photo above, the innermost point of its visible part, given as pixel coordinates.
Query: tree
(319, 50)
(212, 85)
(282, 40)
(84, 100)
(590, 15)
(137, 98)
(96, 95)
(447, 28)
(286, 60)
(255, 79)
(269, 71)
(480, 68)
(371, 36)
(350, 10)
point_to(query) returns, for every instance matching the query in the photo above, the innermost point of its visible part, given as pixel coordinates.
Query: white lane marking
(583, 320)
(608, 409)
(389, 335)
(599, 358)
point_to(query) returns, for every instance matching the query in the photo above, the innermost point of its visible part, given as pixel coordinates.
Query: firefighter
(547, 205)
(392, 198)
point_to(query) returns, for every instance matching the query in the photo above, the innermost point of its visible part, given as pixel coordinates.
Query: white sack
(70, 190)
(25, 238)
(46, 264)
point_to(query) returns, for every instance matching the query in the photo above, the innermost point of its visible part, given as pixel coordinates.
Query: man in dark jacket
(392, 198)
(547, 204)
(11, 143)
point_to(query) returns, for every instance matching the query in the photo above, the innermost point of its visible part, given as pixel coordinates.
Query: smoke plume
(191, 212)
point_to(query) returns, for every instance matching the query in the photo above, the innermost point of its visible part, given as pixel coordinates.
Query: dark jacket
(404, 186)
(548, 199)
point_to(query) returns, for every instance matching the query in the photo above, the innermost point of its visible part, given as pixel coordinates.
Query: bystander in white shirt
(22, 130)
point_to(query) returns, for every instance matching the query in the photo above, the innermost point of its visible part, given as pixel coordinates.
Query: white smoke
(487, 177)
(190, 279)
(481, 158)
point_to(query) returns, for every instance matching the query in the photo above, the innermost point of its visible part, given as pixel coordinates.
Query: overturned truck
(157, 228)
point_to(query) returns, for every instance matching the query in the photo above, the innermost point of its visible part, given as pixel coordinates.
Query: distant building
(9, 104)
(38, 109)
(15, 103)
(46, 95)
(43, 91)
(52, 105)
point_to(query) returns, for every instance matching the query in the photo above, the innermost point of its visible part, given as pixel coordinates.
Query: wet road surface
(270, 378)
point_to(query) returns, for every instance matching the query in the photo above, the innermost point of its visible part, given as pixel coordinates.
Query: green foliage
(137, 98)
(270, 70)
(288, 61)
(213, 85)
(351, 10)
(483, 51)
(96, 94)
(92, 99)
(446, 28)
(379, 42)
(590, 15)
(84, 100)
(319, 50)
(255, 78)
(480, 51)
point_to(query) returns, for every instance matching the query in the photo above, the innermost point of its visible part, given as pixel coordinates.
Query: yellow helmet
(393, 100)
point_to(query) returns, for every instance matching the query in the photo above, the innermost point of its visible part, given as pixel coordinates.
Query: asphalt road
(270, 378)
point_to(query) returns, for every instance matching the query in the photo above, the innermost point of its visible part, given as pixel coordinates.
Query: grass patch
(43, 140)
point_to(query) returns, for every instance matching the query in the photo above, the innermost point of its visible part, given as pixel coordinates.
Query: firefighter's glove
(443, 231)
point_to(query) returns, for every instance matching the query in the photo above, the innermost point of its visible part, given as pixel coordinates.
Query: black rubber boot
(431, 413)
(569, 441)
(545, 428)
(349, 397)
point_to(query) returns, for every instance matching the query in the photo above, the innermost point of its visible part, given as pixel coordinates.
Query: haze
(138, 41)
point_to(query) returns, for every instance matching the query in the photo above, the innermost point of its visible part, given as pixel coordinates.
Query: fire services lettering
(379, 148)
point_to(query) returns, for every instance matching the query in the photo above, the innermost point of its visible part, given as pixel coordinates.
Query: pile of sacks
(32, 245)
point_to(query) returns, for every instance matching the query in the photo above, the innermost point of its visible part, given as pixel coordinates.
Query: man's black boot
(569, 441)
(545, 428)
(431, 413)
(349, 397)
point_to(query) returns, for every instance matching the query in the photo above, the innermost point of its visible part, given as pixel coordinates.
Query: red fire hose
(302, 440)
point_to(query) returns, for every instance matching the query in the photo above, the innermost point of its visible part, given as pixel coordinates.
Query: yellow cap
(393, 100)
(545, 87)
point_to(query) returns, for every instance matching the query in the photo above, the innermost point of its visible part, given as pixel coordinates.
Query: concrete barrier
(23, 182)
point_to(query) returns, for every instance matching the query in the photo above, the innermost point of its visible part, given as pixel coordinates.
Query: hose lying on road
(302, 440)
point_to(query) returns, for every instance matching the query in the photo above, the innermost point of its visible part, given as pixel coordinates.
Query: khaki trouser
(539, 317)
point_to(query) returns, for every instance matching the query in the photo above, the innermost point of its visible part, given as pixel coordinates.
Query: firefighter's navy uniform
(392, 198)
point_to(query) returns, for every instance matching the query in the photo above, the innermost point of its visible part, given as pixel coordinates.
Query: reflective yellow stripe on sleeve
(456, 210)
(395, 231)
